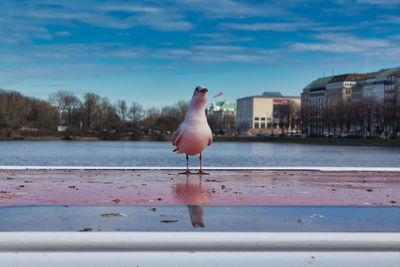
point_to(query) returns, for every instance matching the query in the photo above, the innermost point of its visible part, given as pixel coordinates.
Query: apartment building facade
(265, 113)
(330, 102)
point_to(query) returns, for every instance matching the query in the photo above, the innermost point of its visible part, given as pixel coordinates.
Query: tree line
(92, 115)
(95, 116)
(367, 117)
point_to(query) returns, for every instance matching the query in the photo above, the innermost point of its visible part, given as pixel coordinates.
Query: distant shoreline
(285, 140)
(313, 141)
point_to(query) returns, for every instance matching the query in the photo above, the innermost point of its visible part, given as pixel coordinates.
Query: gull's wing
(210, 137)
(178, 134)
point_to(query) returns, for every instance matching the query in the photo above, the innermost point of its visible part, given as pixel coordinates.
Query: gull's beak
(205, 90)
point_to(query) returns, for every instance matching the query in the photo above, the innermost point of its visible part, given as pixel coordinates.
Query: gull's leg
(187, 163)
(187, 166)
(201, 170)
(200, 164)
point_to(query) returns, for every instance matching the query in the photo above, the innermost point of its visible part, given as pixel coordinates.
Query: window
(263, 125)
(256, 125)
(263, 118)
(256, 118)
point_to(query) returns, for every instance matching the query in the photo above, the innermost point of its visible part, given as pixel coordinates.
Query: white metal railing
(197, 241)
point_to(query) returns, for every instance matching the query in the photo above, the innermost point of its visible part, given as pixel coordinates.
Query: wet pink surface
(162, 187)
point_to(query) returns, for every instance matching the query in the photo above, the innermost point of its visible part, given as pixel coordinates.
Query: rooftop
(225, 105)
(271, 95)
(350, 77)
(386, 72)
(319, 82)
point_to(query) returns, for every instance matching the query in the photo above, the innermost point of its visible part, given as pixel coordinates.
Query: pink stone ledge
(223, 186)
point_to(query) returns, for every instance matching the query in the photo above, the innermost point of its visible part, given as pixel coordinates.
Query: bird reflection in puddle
(194, 196)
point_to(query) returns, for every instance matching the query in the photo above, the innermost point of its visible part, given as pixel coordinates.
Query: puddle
(201, 218)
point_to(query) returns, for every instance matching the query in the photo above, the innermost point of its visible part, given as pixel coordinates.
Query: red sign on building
(281, 101)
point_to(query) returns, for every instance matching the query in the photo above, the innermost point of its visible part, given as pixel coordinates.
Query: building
(339, 88)
(224, 115)
(221, 108)
(313, 101)
(267, 113)
(391, 87)
(323, 92)
(350, 102)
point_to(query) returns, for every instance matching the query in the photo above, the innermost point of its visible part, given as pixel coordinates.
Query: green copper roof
(319, 82)
(325, 80)
(387, 72)
(225, 105)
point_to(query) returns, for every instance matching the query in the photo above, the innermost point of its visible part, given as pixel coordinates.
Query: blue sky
(157, 52)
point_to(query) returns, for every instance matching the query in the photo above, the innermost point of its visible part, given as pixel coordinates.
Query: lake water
(219, 154)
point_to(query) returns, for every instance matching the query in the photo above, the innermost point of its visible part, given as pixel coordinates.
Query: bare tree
(305, 113)
(12, 110)
(294, 116)
(67, 104)
(121, 109)
(136, 113)
(90, 106)
(214, 123)
(182, 107)
(42, 115)
(357, 117)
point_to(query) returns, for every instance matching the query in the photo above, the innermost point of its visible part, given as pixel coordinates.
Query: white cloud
(379, 2)
(130, 8)
(336, 28)
(124, 54)
(164, 22)
(172, 53)
(217, 43)
(62, 34)
(71, 53)
(341, 43)
(90, 12)
(224, 37)
(346, 38)
(218, 48)
(288, 26)
(272, 26)
(232, 9)
(6, 57)
(390, 19)
(12, 31)
(219, 53)
(57, 72)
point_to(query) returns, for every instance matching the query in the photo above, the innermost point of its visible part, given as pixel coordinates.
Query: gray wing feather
(178, 134)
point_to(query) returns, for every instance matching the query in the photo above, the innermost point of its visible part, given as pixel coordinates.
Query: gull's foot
(186, 172)
(204, 173)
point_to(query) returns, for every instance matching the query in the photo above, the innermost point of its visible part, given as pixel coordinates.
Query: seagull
(194, 133)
